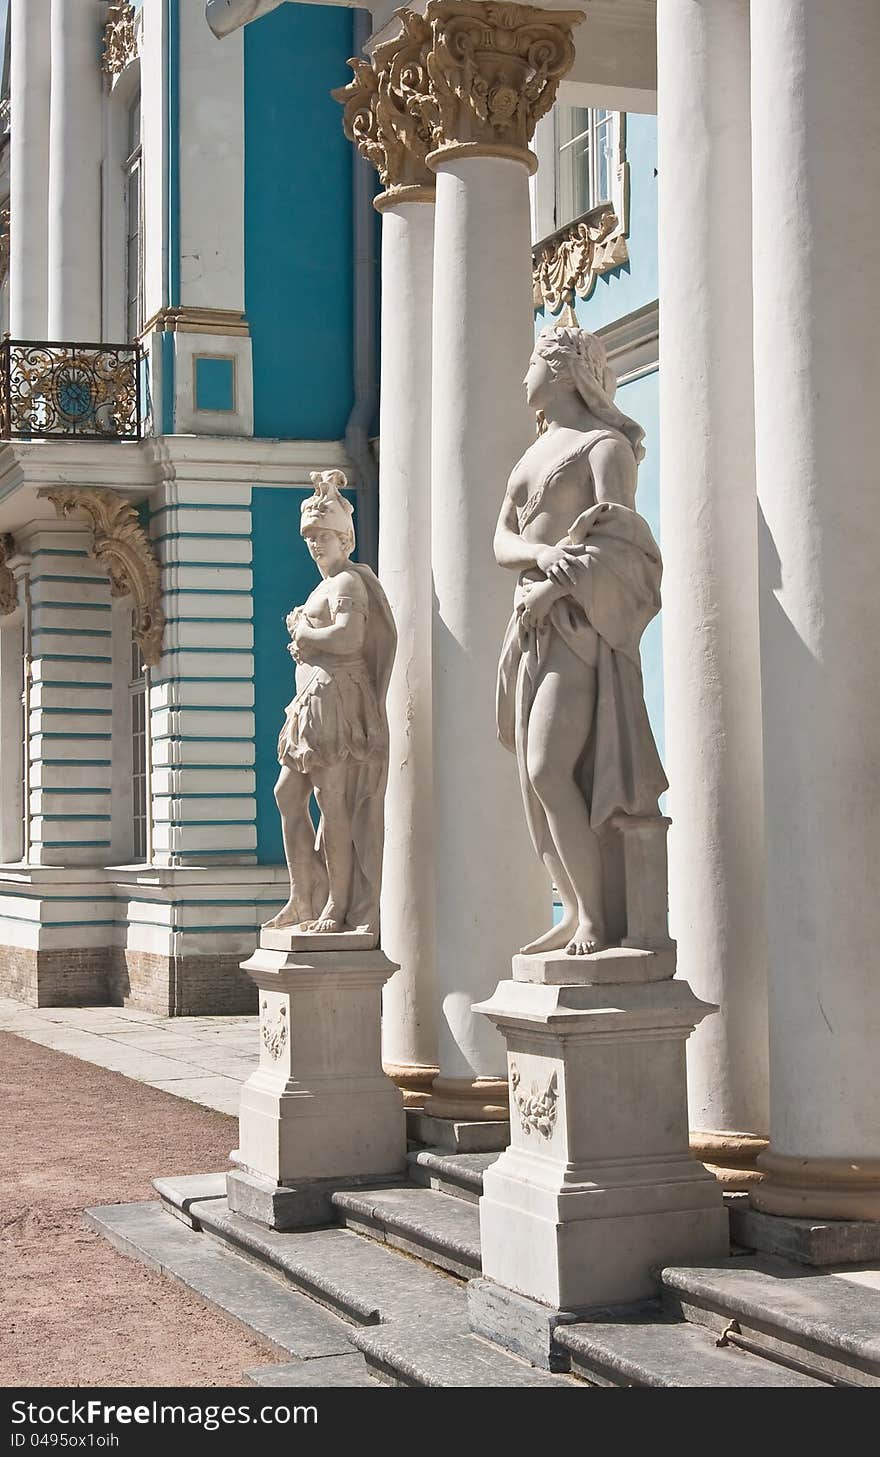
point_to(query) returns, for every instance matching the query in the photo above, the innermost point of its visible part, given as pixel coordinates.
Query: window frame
(545, 211)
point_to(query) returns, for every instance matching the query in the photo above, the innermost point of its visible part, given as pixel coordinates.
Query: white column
(492, 893)
(29, 168)
(816, 159)
(410, 1011)
(709, 536)
(75, 142)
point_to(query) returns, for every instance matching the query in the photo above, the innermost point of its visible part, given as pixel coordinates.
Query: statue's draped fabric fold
(616, 592)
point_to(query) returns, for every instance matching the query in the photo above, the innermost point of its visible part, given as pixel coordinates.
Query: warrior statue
(570, 694)
(334, 743)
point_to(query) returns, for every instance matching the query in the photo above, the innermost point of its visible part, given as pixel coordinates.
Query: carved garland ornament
(537, 1111)
(8, 584)
(122, 546)
(120, 39)
(274, 1031)
(5, 217)
(570, 262)
(467, 73)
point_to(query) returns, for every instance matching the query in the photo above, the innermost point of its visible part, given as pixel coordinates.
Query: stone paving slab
(324, 1372)
(222, 1094)
(668, 1354)
(367, 1282)
(288, 1321)
(433, 1226)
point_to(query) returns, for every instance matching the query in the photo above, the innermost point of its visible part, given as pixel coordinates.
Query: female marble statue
(334, 742)
(570, 695)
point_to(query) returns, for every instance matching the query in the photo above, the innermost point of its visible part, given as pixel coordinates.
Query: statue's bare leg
(337, 842)
(560, 934)
(292, 792)
(560, 718)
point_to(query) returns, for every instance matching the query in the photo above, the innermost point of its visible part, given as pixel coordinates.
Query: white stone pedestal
(319, 1113)
(597, 1187)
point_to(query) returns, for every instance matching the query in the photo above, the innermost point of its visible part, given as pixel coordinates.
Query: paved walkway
(202, 1059)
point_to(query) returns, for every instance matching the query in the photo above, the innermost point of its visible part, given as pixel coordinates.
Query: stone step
(288, 1322)
(827, 1324)
(431, 1355)
(459, 1174)
(325, 1372)
(361, 1280)
(654, 1352)
(437, 1228)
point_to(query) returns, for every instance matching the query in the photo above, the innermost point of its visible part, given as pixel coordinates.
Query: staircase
(380, 1298)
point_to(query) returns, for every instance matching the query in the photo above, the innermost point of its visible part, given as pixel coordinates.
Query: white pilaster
(29, 168)
(710, 547)
(491, 892)
(815, 159)
(410, 1011)
(75, 141)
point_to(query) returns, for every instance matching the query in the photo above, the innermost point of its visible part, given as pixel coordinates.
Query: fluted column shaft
(29, 168)
(74, 306)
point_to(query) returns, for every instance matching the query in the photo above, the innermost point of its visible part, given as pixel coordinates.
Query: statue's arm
(510, 548)
(614, 472)
(345, 634)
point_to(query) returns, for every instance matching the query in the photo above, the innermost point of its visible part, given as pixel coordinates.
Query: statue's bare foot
(586, 940)
(329, 920)
(289, 915)
(554, 939)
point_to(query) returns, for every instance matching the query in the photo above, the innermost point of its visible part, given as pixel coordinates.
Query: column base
(318, 1107)
(414, 1081)
(284, 1206)
(809, 1188)
(598, 1187)
(477, 1100)
(730, 1157)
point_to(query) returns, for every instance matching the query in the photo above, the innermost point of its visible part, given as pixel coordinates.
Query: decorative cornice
(191, 319)
(383, 109)
(494, 70)
(570, 261)
(120, 39)
(122, 546)
(8, 584)
(5, 226)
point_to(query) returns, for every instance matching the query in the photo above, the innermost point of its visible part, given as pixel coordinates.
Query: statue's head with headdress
(577, 360)
(327, 511)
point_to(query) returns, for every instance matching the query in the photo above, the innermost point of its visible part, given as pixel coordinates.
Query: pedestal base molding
(477, 1100)
(818, 1188)
(731, 1157)
(414, 1081)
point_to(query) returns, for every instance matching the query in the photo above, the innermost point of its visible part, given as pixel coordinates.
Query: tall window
(133, 224)
(584, 160)
(140, 749)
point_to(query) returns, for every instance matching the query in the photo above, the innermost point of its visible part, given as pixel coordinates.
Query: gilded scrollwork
(123, 548)
(8, 584)
(383, 106)
(537, 1111)
(5, 219)
(120, 39)
(571, 260)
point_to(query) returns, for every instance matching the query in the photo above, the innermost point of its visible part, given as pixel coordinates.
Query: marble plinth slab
(319, 1106)
(290, 938)
(598, 1179)
(806, 1241)
(616, 966)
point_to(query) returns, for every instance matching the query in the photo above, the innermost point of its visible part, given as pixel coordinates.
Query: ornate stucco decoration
(273, 1031)
(8, 584)
(494, 70)
(570, 261)
(120, 39)
(537, 1111)
(384, 105)
(5, 223)
(122, 546)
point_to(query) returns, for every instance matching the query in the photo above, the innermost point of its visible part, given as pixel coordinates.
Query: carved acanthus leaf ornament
(123, 548)
(494, 70)
(120, 39)
(8, 584)
(384, 103)
(570, 262)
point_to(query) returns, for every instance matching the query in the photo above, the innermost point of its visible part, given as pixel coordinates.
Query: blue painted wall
(285, 574)
(298, 221)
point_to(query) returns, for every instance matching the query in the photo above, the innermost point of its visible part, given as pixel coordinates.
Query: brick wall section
(56, 978)
(182, 986)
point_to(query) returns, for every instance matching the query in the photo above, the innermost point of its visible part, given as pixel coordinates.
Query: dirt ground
(74, 1312)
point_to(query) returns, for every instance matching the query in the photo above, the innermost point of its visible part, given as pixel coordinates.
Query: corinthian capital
(494, 70)
(384, 109)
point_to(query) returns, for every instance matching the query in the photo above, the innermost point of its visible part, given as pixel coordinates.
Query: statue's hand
(292, 619)
(536, 602)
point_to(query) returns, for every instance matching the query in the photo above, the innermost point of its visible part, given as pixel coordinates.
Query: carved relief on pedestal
(8, 584)
(120, 39)
(570, 261)
(537, 1110)
(383, 109)
(494, 71)
(273, 1031)
(122, 546)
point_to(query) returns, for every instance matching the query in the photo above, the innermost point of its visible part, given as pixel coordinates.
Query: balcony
(51, 391)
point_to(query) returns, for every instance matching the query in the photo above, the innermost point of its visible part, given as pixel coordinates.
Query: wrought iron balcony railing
(51, 391)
